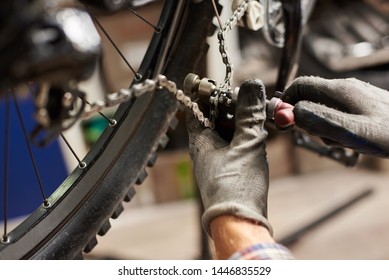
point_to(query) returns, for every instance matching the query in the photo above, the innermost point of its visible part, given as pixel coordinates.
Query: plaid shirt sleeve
(265, 251)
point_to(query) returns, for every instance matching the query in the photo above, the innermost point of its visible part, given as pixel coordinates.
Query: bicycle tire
(83, 204)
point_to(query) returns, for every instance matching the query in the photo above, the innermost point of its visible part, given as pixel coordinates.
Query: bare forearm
(231, 234)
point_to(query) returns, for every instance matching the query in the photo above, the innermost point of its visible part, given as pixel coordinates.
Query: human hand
(233, 178)
(343, 112)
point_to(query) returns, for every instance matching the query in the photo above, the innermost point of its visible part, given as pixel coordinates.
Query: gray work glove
(343, 112)
(233, 178)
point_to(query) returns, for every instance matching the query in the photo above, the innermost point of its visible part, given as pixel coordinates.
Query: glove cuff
(235, 210)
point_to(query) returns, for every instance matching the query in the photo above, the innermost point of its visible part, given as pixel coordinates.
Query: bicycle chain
(224, 91)
(229, 24)
(186, 101)
(138, 90)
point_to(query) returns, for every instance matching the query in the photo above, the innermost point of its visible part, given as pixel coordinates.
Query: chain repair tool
(206, 89)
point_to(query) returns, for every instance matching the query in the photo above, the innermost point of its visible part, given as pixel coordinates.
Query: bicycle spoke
(156, 28)
(112, 122)
(81, 164)
(5, 238)
(217, 14)
(138, 76)
(45, 201)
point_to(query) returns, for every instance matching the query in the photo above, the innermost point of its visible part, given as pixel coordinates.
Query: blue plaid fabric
(266, 251)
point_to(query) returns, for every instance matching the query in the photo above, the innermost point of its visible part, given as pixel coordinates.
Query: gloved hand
(233, 178)
(343, 112)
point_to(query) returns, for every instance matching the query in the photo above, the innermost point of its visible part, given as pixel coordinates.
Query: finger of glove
(348, 95)
(250, 113)
(352, 131)
(200, 138)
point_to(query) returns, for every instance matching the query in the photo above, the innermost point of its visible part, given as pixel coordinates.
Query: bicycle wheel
(83, 204)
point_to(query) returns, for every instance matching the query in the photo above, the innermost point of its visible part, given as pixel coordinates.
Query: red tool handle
(281, 112)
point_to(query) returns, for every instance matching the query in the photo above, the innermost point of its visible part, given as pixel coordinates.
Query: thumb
(250, 113)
